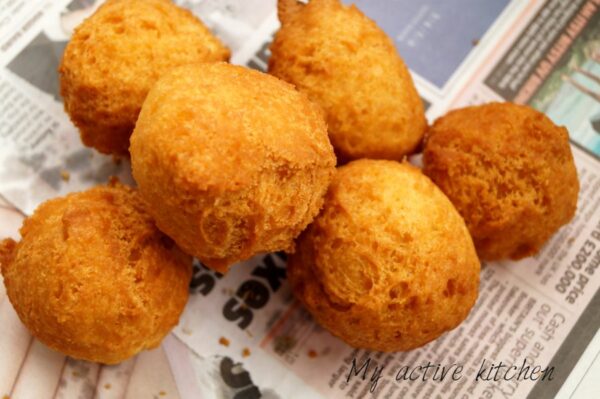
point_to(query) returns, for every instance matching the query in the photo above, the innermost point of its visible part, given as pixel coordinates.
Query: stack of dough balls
(93, 277)
(388, 265)
(232, 161)
(510, 173)
(114, 58)
(345, 63)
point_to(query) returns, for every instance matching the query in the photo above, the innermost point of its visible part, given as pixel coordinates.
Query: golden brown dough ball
(345, 63)
(233, 161)
(510, 173)
(388, 264)
(114, 58)
(93, 277)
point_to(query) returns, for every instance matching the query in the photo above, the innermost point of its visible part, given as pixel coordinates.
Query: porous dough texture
(388, 265)
(232, 161)
(115, 57)
(345, 63)
(93, 278)
(510, 173)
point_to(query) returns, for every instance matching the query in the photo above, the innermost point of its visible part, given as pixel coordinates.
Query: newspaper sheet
(243, 335)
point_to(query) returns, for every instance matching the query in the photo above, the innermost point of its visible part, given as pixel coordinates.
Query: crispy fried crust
(510, 173)
(286, 9)
(93, 277)
(114, 58)
(345, 63)
(232, 161)
(388, 264)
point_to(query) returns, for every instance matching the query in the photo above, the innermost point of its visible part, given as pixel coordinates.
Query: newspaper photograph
(533, 332)
(559, 75)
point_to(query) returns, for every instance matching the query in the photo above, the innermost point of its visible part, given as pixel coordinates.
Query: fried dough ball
(388, 265)
(510, 173)
(114, 58)
(233, 161)
(93, 277)
(345, 63)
